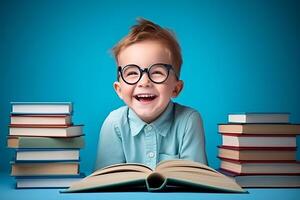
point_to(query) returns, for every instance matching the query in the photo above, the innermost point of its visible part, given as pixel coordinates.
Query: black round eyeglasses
(157, 73)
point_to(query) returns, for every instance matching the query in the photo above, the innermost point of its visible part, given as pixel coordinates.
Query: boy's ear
(117, 88)
(177, 89)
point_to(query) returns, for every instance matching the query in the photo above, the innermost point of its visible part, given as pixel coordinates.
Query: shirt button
(151, 154)
(149, 128)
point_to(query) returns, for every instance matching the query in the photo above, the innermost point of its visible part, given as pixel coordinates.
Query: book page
(124, 167)
(202, 181)
(168, 164)
(190, 170)
(109, 181)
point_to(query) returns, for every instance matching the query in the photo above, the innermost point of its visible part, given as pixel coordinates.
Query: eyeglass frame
(146, 70)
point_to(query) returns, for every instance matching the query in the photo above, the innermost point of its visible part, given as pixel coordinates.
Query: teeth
(145, 96)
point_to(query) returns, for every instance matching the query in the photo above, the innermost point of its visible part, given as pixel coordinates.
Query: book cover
(180, 173)
(44, 168)
(260, 128)
(46, 155)
(264, 180)
(260, 167)
(45, 182)
(258, 140)
(258, 153)
(45, 130)
(40, 119)
(41, 107)
(44, 142)
(256, 117)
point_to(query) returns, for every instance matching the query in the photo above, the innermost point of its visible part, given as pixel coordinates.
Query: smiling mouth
(145, 97)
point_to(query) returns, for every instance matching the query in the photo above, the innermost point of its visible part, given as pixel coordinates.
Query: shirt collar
(161, 124)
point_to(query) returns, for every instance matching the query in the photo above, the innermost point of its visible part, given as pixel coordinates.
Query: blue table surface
(8, 192)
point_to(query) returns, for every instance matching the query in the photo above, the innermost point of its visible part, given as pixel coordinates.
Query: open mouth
(145, 97)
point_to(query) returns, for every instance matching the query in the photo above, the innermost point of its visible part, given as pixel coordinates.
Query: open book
(168, 174)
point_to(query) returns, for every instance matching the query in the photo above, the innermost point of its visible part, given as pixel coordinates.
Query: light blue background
(238, 56)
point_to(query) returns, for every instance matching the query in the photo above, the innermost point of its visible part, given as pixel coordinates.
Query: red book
(45, 130)
(260, 167)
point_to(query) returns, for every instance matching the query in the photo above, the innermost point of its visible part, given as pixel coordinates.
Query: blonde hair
(147, 30)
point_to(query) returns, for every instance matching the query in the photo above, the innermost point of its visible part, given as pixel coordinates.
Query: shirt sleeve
(193, 144)
(110, 149)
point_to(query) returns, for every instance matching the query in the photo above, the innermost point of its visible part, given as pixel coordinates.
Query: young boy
(150, 128)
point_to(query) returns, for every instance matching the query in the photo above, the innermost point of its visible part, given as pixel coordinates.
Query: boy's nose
(144, 81)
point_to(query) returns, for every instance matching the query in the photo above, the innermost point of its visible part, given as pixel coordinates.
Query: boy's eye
(131, 73)
(157, 72)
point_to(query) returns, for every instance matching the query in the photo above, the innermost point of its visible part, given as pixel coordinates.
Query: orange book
(51, 168)
(40, 120)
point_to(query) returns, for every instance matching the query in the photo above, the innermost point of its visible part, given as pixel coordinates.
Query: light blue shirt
(177, 134)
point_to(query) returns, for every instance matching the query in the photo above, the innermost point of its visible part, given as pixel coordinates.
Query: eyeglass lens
(157, 73)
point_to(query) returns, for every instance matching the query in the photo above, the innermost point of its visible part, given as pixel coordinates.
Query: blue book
(54, 181)
(41, 108)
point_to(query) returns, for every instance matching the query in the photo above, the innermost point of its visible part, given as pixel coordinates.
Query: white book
(256, 118)
(47, 155)
(45, 131)
(41, 107)
(259, 141)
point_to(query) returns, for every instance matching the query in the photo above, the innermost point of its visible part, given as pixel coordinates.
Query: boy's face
(147, 99)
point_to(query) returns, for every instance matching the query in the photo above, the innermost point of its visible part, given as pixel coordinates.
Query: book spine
(156, 182)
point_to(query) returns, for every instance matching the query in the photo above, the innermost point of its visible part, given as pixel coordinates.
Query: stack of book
(46, 145)
(259, 150)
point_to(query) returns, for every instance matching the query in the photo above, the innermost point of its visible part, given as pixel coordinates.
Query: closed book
(41, 119)
(252, 140)
(45, 130)
(47, 155)
(182, 174)
(265, 181)
(44, 168)
(255, 118)
(260, 167)
(45, 142)
(54, 181)
(258, 153)
(260, 128)
(41, 107)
